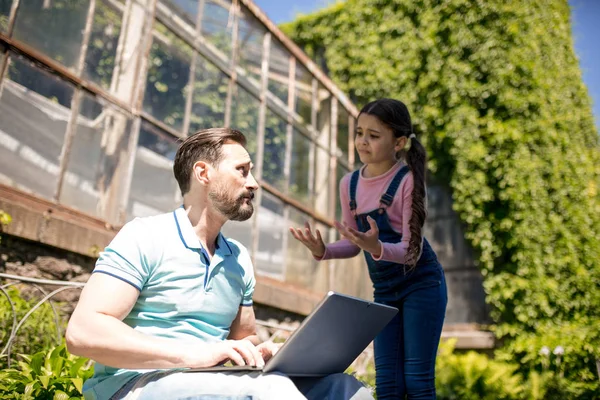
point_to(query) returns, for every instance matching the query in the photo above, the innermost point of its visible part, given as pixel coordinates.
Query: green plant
(474, 376)
(38, 332)
(47, 375)
(5, 220)
(564, 356)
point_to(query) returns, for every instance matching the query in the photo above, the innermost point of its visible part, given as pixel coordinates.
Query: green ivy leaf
(60, 395)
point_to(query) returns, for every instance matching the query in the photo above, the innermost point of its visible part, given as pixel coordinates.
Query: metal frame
(202, 47)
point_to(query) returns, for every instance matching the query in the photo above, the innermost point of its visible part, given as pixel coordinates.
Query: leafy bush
(47, 375)
(566, 354)
(473, 376)
(38, 332)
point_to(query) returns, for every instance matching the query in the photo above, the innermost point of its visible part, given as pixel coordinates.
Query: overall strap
(352, 191)
(388, 196)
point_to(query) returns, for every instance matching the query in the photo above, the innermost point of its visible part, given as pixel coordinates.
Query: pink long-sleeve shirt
(368, 194)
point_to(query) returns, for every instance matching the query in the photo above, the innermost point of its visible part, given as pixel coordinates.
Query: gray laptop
(328, 340)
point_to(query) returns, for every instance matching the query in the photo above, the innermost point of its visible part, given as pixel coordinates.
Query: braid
(416, 158)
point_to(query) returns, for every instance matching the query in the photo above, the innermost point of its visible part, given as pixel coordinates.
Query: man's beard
(235, 209)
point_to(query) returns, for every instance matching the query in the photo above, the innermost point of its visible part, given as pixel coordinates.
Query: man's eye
(358, 133)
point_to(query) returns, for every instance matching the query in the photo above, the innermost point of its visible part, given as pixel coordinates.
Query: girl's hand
(314, 243)
(368, 241)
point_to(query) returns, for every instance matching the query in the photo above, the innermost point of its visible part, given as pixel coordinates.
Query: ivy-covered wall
(496, 91)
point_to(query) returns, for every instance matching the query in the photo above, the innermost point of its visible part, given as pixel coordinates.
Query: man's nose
(251, 182)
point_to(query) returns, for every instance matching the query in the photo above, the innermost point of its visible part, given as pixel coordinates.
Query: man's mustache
(247, 195)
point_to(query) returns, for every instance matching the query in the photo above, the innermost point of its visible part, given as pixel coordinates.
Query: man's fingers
(258, 359)
(234, 356)
(249, 352)
(248, 358)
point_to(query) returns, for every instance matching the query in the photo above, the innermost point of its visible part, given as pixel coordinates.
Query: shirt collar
(188, 236)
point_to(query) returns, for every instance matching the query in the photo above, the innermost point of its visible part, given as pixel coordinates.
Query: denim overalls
(405, 350)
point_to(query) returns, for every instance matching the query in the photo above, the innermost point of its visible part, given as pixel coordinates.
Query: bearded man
(171, 292)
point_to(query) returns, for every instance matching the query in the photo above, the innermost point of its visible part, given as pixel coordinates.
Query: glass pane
(300, 266)
(340, 172)
(323, 116)
(342, 131)
(154, 189)
(244, 116)
(303, 93)
(322, 181)
(94, 154)
(274, 158)
(102, 48)
(216, 24)
(53, 27)
(168, 77)
(5, 6)
(34, 111)
(279, 67)
(185, 9)
(250, 39)
(210, 94)
(300, 168)
(271, 227)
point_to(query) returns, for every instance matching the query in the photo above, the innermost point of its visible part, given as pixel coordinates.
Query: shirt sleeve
(126, 257)
(249, 292)
(402, 204)
(249, 278)
(343, 248)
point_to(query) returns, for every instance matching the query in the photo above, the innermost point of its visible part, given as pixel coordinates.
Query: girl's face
(375, 142)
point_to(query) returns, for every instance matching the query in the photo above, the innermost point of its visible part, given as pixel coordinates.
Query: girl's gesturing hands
(368, 241)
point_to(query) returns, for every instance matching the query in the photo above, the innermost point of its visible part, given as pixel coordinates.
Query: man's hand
(268, 349)
(368, 241)
(240, 352)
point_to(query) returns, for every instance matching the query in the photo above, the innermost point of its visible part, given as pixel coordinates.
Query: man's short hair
(204, 145)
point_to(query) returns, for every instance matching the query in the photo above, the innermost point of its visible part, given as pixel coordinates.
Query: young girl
(383, 211)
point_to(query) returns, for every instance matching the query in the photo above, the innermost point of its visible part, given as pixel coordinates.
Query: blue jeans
(405, 351)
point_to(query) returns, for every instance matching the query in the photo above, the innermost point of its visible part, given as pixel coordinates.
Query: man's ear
(200, 172)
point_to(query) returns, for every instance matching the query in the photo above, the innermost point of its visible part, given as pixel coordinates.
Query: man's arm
(244, 326)
(96, 331)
